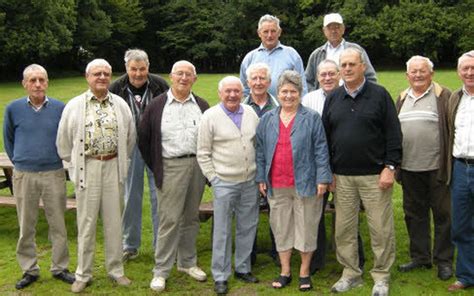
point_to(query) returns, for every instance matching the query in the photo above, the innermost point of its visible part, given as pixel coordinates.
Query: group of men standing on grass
(112, 133)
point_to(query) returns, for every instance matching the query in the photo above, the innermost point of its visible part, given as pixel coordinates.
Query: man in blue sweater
(29, 133)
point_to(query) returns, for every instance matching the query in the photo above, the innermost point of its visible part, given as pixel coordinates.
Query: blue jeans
(132, 214)
(462, 225)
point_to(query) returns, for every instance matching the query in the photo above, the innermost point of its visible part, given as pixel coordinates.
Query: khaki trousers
(29, 188)
(178, 212)
(350, 191)
(103, 192)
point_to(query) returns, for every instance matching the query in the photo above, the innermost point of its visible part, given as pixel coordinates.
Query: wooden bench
(9, 201)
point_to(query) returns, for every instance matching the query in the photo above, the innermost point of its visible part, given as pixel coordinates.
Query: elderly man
(138, 87)
(38, 174)
(363, 161)
(461, 171)
(167, 138)
(96, 136)
(226, 155)
(278, 56)
(333, 29)
(422, 114)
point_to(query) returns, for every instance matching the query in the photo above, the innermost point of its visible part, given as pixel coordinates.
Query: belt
(466, 161)
(103, 157)
(186, 155)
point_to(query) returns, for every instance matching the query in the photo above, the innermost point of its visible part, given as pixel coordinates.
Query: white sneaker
(380, 289)
(195, 272)
(345, 284)
(158, 283)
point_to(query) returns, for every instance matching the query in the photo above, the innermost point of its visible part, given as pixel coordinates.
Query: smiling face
(231, 95)
(328, 77)
(98, 79)
(419, 75)
(466, 73)
(334, 33)
(259, 82)
(137, 72)
(269, 34)
(182, 78)
(352, 68)
(289, 96)
(36, 84)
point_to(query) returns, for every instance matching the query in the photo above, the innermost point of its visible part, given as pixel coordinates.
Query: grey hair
(229, 79)
(291, 77)
(98, 63)
(268, 18)
(183, 62)
(259, 66)
(354, 50)
(420, 58)
(327, 62)
(34, 67)
(464, 56)
(137, 55)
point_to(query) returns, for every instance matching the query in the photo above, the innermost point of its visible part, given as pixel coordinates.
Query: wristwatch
(390, 167)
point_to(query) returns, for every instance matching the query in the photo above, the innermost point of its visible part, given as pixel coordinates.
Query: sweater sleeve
(204, 146)
(321, 154)
(8, 133)
(144, 135)
(65, 137)
(393, 133)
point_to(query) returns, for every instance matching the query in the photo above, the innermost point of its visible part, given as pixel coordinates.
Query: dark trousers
(273, 252)
(422, 192)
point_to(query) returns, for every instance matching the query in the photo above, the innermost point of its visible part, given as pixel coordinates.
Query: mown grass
(422, 282)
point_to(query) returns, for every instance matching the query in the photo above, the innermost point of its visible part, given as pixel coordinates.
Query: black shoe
(220, 287)
(445, 272)
(27, 280)
(413, 265)
(246, 277)
(65, 276)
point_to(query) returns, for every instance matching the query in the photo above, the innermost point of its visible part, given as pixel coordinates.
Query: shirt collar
(356, 91)
(45, 102)
(341, 45)
(171, 98)
(90, 95)
(263, 48)
(465, 92)
(411, 94)
(228, 112)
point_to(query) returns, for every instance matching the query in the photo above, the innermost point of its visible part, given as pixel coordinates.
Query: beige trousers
(29, 188)
(350, 191)
(103, 192)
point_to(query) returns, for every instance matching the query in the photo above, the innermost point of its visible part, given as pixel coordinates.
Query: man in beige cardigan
(226, 155)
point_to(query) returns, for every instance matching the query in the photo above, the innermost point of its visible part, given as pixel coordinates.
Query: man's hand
(262, 187)
(322, 189)
(386, 179)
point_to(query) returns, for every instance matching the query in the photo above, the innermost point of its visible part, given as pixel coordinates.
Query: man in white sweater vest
(226, 155)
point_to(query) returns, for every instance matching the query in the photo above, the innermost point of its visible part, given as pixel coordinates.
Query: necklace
(287, 117)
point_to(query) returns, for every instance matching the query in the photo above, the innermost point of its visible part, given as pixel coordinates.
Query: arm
(243, 75)
(310, 73)
(300, 69)
(144, 135)
(260, 153)
(131, 136)
(321, 154)
(204, 147)
(8, 134)
(64, 139)
(369, 70)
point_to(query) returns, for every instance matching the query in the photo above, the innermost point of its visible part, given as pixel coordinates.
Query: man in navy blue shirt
(29, 132)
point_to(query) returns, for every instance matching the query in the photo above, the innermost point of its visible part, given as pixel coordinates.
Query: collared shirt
(37, 108)
(333, 53)
(260, 110)
(179, 126)
(315, 100)
(101, 126)
(356, 91)
(464, 127)
(279, 59)
(236, 116)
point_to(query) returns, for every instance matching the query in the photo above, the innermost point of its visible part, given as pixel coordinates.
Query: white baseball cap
(332, 18)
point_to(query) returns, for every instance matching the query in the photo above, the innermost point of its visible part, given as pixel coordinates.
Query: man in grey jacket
(333, 29)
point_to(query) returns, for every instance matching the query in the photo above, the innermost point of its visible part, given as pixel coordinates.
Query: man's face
(334, 33)
(36, 84)
(328, 77)
(98, 79)
(258, 82)
(230, 95)
(352, 68)
(182, 78)
(466, 73)
(137, 72)
(419, 75)
(269, 34)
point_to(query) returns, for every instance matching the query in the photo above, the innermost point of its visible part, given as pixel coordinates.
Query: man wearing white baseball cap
(333, 29)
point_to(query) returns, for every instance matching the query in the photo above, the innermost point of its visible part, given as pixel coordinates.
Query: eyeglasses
(183, 74)
(328, 74)
(99, 74)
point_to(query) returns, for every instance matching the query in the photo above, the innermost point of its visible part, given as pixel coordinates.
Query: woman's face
(289, 96)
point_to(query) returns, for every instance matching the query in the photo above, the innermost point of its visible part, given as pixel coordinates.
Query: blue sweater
(30, 137)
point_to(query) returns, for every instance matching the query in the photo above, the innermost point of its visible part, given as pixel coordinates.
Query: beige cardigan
(223, 150)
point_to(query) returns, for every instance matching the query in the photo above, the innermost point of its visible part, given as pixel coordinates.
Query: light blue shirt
(279, 59)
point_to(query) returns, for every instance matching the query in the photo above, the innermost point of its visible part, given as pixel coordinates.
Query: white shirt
(315, 100)
(179, 126)
(464, 128)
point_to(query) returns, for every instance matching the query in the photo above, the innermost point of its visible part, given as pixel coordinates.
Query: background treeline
(215, 35)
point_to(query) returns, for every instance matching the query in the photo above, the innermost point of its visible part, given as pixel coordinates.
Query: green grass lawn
(422, 282)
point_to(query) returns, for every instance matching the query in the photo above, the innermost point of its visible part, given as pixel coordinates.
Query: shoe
(220, 287)
(413, 265)
(283, 280)
(26, 280)
(380, 289)
(345, 284)
(246, 277)
(306, 282)
(122, 281)
(158, 283)
(129, 255)
(456, 286)
(78, 286)
(195, 272)
(65, 276)
(445, 272)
